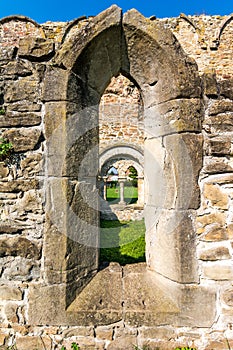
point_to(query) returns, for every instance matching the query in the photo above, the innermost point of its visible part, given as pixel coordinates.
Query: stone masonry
(180, 89)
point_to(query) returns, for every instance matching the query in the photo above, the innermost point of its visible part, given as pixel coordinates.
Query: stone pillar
(140, 200)
(105, 187)
(121, 181)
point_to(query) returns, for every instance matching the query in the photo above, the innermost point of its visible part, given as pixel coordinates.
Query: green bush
(6, 149)
(2, 111)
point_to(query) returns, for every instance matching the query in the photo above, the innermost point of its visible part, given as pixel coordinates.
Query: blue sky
(60, 10)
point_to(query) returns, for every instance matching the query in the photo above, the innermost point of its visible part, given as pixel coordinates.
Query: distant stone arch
(21, 26)
(220, 30)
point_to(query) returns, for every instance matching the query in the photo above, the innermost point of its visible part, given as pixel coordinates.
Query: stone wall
(121, 119)
(207, 39)
(27, 52)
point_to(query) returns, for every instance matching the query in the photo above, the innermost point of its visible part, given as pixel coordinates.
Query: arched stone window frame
(170, 86)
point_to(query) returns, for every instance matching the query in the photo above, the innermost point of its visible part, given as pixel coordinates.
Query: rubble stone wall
(26, 55)
(121, 119)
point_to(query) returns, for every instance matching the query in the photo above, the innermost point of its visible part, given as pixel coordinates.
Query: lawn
(130, 194)
(122, 242)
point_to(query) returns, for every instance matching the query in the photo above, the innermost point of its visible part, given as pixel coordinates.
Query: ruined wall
(26, 52)
(207, 39)
(121, 119)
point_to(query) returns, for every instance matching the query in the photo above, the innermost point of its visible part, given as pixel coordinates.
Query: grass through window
(122, 242)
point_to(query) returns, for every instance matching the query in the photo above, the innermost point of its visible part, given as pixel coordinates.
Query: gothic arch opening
(121, 130)
(145, 52)
(121, 125)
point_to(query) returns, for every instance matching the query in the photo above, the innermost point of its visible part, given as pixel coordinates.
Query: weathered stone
(47, 313)
(126, 342)
(34, 48)
(53, 330)
(22, 119)
(219, 253)
(193, 334)
(210, 218)
(23, 89)
(18, 246)
(55, 264)
(111, 17)
(215, 234)
(8, 292)
(6, 53)
(219, 145)
(228, 297)
(23, 330)
(33, 342)
(144, 301)
(221, 106)
(56, 114)
(220, 344)
(10, 226)
(91, 75)
(30, 202)
(3, 338)
(78, 332)
(214, 193)
(22, 106)
(218, 272)
(21, 269)
(31, 164)
(18, 68)
(11, 312)
(170, 236)
(98, 297)
(221, 180)
(175, 163)
(152, 40)
(8, 196)
(230, 231)
(86, 161)
(104, 332)
(210, 84)
(2, 317)
(4, 170)
(183, 163)
(18, 185)
(195, 299)
(55, 77)
(23, 139)
(216, 165)
(157, 333)
(161, 345)
(173, 117)
(79, 249)
(226, 88)
(222, 123)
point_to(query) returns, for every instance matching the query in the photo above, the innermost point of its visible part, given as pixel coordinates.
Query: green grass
(122, 242)
(130, 194)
